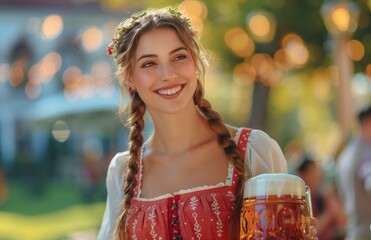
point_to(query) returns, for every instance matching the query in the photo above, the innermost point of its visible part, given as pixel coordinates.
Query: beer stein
(275, 206)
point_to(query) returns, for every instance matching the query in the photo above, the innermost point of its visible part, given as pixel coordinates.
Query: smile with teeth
(170, 91)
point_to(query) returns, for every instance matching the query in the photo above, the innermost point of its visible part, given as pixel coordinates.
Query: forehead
(158, 40)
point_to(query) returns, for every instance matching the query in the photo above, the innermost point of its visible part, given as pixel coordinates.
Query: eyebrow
(154, 55)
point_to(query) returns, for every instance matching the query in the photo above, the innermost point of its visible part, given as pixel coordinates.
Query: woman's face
(164, 73)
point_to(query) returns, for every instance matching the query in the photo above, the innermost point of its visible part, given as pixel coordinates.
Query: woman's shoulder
(117, 166)
(260, 137)
(119, 159)
(263, 154)
(255, 135)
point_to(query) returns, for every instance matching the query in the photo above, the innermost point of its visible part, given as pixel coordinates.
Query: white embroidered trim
(197, 226)
(229, 179)
(183, 191)
(134, 236)
(193, 202)
(205, 187)
(219, 225)
(153, 222)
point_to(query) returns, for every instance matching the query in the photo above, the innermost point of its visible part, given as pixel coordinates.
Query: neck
(177, 133)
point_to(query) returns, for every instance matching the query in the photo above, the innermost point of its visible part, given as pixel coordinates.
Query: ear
(131, 84)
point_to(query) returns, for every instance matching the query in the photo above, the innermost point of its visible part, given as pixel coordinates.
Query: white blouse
(263, 155)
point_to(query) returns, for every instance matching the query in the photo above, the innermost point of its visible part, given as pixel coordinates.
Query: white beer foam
(274, 184)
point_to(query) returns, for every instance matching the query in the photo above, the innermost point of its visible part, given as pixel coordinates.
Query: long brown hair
(124, 52)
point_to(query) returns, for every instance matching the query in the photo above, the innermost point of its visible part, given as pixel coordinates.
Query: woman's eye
(180, 57)
(147, 64)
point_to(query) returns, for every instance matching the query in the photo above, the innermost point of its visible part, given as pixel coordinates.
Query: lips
(168, 91)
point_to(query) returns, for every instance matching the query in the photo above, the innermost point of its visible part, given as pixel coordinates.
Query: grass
(56, 212)
(55, 225)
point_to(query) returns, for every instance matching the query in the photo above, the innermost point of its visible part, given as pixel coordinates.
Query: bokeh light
(61, 131)
(361, 85)
(244, 74)
(355, 49)
(17, 73)
(368, 71)
(45, 70)
(281, 61)
(265, 69)
(104, 84)
(239, 42)
(4, 72)
(197, 13)
(71, 78)
(91, 39)
(109, 30)
(49, 66)
(341, 18)
(295, 49)
(52, 27)
(32, 90)
(261, 25)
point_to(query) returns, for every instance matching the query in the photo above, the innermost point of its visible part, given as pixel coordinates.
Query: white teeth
(170, 91)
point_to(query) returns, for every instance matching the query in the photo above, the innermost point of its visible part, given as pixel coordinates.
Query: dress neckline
(228, 181)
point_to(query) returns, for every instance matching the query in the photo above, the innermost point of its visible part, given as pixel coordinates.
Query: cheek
(142, 80)
(189, 70)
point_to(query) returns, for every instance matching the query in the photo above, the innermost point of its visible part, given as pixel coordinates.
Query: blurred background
(299, 70)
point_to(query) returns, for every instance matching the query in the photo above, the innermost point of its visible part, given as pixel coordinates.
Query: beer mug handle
(308, 199)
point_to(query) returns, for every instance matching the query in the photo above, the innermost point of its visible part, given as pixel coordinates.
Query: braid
(215, 122)
(136, 123)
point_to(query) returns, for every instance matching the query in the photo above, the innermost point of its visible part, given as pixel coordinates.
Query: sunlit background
(299, 70)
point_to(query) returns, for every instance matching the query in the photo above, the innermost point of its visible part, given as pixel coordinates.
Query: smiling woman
(186, 180)
(164, 73)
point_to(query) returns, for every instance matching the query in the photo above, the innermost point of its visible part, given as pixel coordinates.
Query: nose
(168, 73)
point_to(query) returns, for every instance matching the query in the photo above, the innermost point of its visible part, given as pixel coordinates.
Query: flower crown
(129, 23)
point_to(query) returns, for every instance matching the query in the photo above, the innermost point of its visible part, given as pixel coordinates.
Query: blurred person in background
(326, 205)
(186, 180)
(354, 177)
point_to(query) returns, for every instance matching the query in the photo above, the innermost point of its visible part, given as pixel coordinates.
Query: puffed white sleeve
(264, 155)
(115, 174)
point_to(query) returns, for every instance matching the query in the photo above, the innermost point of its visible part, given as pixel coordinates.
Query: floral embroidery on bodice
(197, 213)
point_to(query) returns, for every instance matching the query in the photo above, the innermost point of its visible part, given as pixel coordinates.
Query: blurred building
(58, 96)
